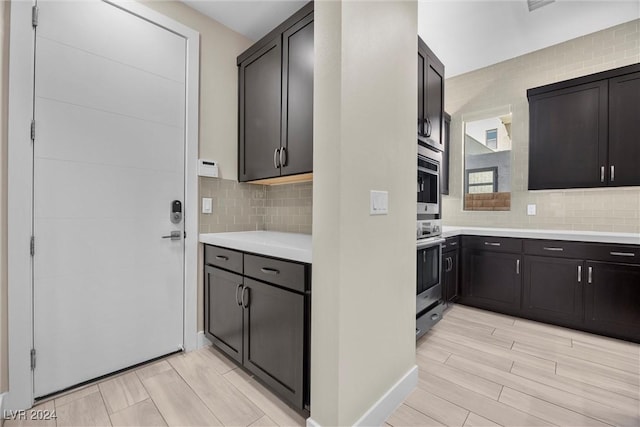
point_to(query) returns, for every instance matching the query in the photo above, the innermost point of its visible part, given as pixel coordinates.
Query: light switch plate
(207, 205)
(379, 203)
(531, 209)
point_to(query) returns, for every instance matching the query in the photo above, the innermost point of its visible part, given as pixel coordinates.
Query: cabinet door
(568, 137)
(274, 338)
(450, 276)
(434, 102)
(624, 128)
(297, 95)
(260, 82)
(492, 280)
(223, 314)
(612, 299)
(553, 289)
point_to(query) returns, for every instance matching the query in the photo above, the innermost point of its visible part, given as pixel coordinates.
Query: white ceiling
(465, 34)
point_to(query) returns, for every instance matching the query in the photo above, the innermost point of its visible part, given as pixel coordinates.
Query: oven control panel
(429, 228)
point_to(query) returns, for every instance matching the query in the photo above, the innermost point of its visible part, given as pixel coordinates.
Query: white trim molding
(20, 183)
(389, 402)
(378, 413)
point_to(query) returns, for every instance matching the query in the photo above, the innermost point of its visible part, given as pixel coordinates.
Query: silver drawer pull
(553, 249)
(222, 257)
(267, 270)
(453, 243)
(492, 244)
(622, 254)
(435, 316)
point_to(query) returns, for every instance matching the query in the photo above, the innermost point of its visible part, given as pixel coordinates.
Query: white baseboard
(378, 413)
(203, 341)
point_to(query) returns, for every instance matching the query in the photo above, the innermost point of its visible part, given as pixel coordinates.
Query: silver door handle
(283, 156)
(238, 299)
(613, 173)
(276, 153)
(517, 266)
(579, 274)
(601, 173)
(245, 304)
(175, 235)
(590, 275)
(553, 249)
(491, 244)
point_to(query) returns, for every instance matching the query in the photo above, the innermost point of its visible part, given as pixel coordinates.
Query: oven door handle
(430, 243)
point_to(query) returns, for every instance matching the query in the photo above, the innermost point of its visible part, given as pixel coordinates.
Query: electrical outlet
(531, 209)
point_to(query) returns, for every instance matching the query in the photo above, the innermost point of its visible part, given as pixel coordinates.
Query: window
(492, 139)
(482, 180)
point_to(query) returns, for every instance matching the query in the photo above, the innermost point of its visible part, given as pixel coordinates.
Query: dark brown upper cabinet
(430, 98)
(275, 106)
(583, 132)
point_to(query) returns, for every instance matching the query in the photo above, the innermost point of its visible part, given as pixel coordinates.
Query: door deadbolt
(176, 212)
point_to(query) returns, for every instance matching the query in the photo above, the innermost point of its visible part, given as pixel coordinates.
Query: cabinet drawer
(451, 243)
(223, 258)
(614, 253)
(497, 244)
(284, 273)
(555, 248)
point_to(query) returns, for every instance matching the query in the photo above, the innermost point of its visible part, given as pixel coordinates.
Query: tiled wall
(505, 84)
(246, 207)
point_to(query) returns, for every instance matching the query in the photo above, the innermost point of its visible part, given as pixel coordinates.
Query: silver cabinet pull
(629, 254)
(175, 235)
(283, 156)
(237, 298)
(517, 266)
(424, 256)
(590, 275)
(613, 173)
(552, 249)
(601, 173)
(267, 270)
(491, 244)
(245, 304)
(450, 261)
(222, 258)
(453, 243)
(435, 316)
(276, 158)
(579, 274)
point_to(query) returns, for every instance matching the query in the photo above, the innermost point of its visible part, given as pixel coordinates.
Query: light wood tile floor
(478, 368)
(201, 388)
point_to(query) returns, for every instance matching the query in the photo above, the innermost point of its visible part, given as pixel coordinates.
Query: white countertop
(291, 246)
(577, 236)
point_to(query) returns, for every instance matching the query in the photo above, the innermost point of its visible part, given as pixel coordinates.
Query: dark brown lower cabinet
(594, 287)
(553, 289)
(262, 318)
(491, 280)
(274, 338)
(613, 299)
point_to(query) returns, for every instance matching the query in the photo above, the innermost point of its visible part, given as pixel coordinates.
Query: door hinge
(32, 246)
(34, 16)
(33, 359)
(33, 130)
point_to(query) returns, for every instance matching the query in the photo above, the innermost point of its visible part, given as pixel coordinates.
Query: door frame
(20, 185)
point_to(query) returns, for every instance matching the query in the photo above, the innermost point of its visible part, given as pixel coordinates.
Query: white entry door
(109, 149)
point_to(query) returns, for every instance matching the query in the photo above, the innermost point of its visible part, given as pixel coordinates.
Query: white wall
(364, 272)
